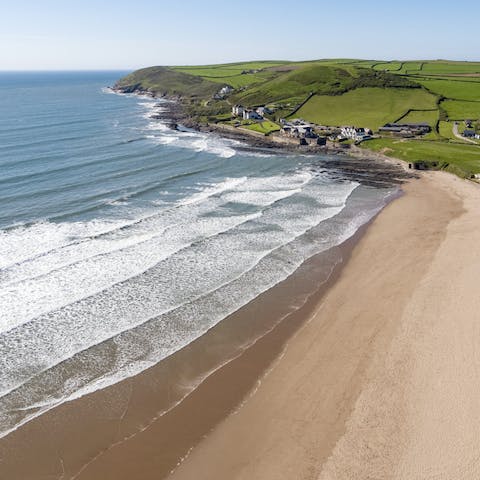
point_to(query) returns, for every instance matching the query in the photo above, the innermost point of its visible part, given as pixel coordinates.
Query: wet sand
(375, 376)
(142, 427)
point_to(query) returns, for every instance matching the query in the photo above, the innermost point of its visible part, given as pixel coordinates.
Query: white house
(355, 133)
(237, 110)
(223, 92)
(226, 90)
(264, 110)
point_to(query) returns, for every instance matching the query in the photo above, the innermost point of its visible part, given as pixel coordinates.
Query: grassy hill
(167, 81)
(455, 85)
(294, 86)
(337, 92)
(260, 83)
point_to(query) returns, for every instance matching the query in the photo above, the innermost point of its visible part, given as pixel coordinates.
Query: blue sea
(122, 240)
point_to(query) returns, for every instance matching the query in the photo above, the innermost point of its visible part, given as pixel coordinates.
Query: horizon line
(116, 69)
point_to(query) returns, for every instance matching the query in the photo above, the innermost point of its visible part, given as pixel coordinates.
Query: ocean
(121, 240)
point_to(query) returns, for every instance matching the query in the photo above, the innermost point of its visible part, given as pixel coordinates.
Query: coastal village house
(406, 129)
(470, 134)
(303, 131)
(249, 114)
(223, 92)
(357, 134)
(237, 110)
(297, 128)
(264, 111)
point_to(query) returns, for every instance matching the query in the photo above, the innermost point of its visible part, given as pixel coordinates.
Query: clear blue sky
(120, 34)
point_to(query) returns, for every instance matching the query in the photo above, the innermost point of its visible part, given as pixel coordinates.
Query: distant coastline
(171, 113)
(175, 116)
(422, 112)
(275, 320)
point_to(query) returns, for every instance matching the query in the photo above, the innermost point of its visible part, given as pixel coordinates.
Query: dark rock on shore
(366, 168)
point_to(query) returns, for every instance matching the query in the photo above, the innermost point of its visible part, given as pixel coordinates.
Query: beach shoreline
(354, 162)
(98, 435)
(258, 415)
(379, 383)
(81, 431)
(175, 416)
(172, 113)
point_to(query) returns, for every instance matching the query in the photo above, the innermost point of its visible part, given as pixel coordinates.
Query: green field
(457, 158)
(264, 127)
(367, 107)
(439, 68)
(337, 92)
(458, 110)
(419, 116)
(245, 80)
(227, 69)
(411, 67)
(291, 87)
(237, 75)
(454, 89)
(210, 72)
(388, 66)
(296, 85)
(445, 129)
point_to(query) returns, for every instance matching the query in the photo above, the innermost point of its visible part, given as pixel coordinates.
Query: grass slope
(338, 92)
(294, 86)
(454, 89)
(264, 127)
(446, 130)
(446, 67)
(419, 116)
(369, 107)
(165, 81)
(459, 110)
(457, 158)
(388, 66)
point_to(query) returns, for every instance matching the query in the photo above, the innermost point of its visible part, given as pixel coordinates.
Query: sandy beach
(225, 256)
(383, 381)
(376, 376)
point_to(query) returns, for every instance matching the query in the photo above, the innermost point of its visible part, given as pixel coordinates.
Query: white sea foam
(122, 259)
(24, 242)
(84, 264)
(107, 90)
(215, 189)
(86, 304)
(199, 142)
(124, 306)
(226, 299)
(247, 261)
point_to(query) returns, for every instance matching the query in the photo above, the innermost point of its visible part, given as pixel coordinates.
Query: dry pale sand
(383, 381)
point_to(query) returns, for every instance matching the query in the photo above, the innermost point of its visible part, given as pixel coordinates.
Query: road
(455, 132)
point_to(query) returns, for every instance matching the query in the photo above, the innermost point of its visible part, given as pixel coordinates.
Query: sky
(124, 35)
